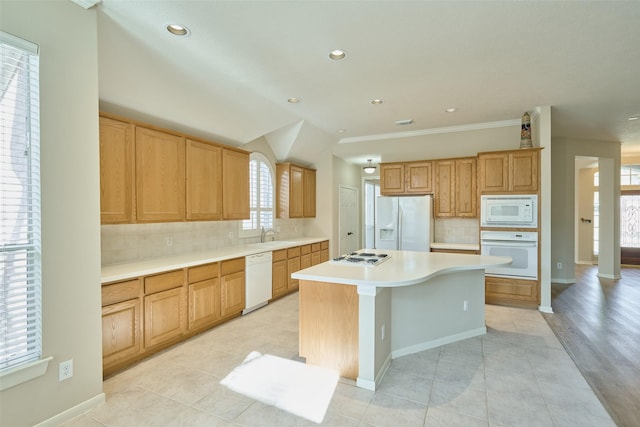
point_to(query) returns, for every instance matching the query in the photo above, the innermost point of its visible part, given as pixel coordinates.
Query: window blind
(260, 194)
(20, 238)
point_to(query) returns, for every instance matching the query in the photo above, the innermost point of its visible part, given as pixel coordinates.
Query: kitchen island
(356, 317)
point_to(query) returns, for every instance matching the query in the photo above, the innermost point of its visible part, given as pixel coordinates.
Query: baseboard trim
(563, 281)
(438, 342)
(73, 412)
(609, 276)
(545, 309)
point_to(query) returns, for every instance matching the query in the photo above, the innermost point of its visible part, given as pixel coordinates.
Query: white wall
(67, 35)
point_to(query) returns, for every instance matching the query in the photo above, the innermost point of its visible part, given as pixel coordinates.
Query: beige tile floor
(516, 375)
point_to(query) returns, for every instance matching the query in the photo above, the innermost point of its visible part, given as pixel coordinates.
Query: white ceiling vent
(404, 122)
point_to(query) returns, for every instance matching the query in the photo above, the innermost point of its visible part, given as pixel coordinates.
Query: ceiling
(231, 76)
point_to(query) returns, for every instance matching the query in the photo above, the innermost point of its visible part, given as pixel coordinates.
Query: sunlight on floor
(295, 387)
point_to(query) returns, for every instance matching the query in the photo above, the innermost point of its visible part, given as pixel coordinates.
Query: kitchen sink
(274, 244)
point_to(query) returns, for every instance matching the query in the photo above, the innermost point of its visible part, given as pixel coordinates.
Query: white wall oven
(522, 247)
(509, 210)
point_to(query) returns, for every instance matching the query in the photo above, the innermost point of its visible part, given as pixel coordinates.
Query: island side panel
(329, 326)
(375, 335)
(431, 314)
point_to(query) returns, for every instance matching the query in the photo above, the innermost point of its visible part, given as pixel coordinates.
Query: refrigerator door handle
(400, 215)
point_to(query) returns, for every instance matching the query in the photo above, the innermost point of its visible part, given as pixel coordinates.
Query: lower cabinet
(204, 296)
(293, 265)
(165, 317)
(232, 286)
(324, 251)
(120, 332)
(279, 278)
(517, 292)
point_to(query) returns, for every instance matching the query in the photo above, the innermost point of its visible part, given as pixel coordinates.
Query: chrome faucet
(264, 233)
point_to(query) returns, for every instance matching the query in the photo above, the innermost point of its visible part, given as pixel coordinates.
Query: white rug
(295, 387)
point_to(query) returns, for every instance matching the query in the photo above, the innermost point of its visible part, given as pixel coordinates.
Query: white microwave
(516, 211)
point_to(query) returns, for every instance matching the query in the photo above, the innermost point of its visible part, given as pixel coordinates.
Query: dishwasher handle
(258, 258)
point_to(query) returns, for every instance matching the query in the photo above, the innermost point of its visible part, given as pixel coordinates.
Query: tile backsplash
(456, 230)
(124, 243)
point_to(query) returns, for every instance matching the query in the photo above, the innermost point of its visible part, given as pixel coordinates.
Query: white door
(349, 237)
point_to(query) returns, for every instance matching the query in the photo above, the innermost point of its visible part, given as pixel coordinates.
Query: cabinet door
(160, 178)
(116, 171)
(315, 258)
(232, 289)
(494, 172)
(309, 203)
(293, 265)
(392, 178)
(305, 261)
(418, 176)
(204, 181)
(444, 200)
(501, 290)
(235, 184)
(165, 316)
(120, 332)
(296, 192)
(279, 278)
(524, 171)
(466, 202)
(324, 251)
(204, 303)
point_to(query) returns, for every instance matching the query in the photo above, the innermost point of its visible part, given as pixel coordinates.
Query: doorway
(348, 220)
(630, 227)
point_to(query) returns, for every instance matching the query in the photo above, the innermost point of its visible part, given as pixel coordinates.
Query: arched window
(261, 196)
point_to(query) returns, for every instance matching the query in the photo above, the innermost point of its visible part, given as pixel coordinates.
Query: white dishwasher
(257, 281)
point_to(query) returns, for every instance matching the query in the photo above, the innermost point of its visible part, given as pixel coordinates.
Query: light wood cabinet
(235, 190)
(515, 292)
(117, 163)
(232, 285)
(160, 176)
(204, 296)
(165, 308)
(203, 181)
(279, 278)
(295, 191)
(293, 265)
(406, 178)
(514, 171)
(324, 251)
(455, 188)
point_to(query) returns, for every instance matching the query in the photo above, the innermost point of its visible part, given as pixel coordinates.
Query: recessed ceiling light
(376, 101)
(450, 110)
(337, 54)
(293, 100)
(404, 122)
(177, 30)
(634, 118)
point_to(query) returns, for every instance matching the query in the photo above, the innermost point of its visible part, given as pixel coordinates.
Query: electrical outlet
(168, 241)
(231, 235)
(559, 266)
(465, 305)
(65, 370)
(382, 332)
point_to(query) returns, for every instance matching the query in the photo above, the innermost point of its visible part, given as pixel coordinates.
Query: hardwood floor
(598, 322)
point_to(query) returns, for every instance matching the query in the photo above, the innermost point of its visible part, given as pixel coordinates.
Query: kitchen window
(261, 196)
(20, 248)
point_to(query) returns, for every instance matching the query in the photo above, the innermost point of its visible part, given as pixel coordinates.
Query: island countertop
(403, 268)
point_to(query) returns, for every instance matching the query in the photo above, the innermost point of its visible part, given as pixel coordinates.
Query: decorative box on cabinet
(514, 171)
(295, 191)
(406, 178)
(117, 165)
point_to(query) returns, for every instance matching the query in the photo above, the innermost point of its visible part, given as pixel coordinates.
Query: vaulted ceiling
(231, 76)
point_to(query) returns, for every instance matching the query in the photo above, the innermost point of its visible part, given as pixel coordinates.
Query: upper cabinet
(154, 175)
(513, 171)
(406, 178)
(295, 191)
(455, 188)
(204, 166)
(117, 192)
(160, 176)
(235, 185)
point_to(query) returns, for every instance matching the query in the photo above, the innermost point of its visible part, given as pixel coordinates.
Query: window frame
(259, 157)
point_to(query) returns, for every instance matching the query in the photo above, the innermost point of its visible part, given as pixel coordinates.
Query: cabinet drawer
(122, 291)
(293, 252)
(324, 245)
(164, 281)
(280, 255)
(306, 249)
(203, 272)
(315, 247)
(231, 266)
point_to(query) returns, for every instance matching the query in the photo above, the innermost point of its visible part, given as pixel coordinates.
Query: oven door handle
(514, 243)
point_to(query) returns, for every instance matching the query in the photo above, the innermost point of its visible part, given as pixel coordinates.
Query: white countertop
(115, 272)
(456, 246)
(403, 268)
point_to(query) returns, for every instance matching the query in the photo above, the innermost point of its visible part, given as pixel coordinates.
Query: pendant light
(369, 168)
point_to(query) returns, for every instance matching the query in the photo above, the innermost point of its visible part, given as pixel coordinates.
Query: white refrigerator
(404, 223)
